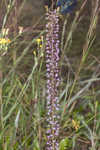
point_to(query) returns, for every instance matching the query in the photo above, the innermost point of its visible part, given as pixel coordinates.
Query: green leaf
(65, 144)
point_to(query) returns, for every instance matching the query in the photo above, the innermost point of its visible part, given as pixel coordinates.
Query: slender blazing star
(52, 58)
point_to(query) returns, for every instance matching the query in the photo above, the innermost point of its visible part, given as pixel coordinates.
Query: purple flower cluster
(52, 58)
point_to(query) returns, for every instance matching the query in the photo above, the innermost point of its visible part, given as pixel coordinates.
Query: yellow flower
(4, 41)
(40, 45)
(38, 41)
(75, 124)
(34, 52)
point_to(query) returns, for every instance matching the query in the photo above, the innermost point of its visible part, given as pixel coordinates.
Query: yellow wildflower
(40, 45)
(4, 41)
(34, 52)
(75, 124)
(38, 41)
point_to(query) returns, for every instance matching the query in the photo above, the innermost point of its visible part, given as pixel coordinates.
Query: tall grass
(23, 79)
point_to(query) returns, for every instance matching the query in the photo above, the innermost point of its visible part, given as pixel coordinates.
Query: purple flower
(52, 74)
